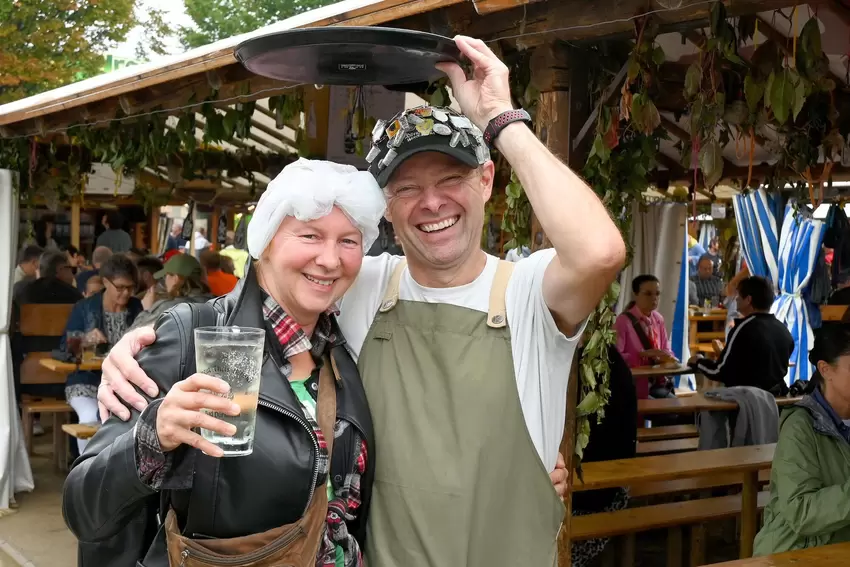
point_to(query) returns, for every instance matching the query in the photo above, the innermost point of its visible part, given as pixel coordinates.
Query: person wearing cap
(239, 257)
(181, 280)
(465, 359)
(304, 491)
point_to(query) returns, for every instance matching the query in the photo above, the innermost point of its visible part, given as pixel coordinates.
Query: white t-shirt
(542, 354)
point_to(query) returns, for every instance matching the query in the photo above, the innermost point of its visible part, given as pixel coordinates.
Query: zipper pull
(183, 555)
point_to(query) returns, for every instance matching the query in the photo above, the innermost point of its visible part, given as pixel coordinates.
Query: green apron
(458, 481)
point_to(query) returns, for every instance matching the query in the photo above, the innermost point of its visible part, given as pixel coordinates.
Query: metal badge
(464, 138)
(481, 154)
(374, 151)
(388, 159)
(454, 139)
(378, 130)
(440, 115)
(442, 130)
(414, 118)
(460, 122)
(425, 127)
(393, 128)
(397, 140)
(404, 122)
(422, 111)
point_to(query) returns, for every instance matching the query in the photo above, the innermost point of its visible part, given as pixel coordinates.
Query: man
(115, 237)
(709, 286)
(695, 251)
(714, 254)
(759, 346)
(147, 266)
(841, 295)
(175, 238)
(220, 282)
(98, 258)
(239, 257)
(465, 359)
(27, 263)
(55, 283)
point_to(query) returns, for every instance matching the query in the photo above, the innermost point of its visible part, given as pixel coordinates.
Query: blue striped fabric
(755, 215)
(707, 231)
(799, 247)
(679, 335)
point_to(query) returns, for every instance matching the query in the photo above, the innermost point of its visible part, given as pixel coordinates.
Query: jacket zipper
(306, 426)
(241, 559)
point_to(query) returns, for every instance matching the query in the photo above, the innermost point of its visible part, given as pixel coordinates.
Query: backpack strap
(642, 337)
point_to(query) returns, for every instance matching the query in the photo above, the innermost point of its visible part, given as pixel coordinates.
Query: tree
(220, 19)
(45, 44)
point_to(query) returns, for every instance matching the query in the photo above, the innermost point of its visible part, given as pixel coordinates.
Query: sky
(176, 16)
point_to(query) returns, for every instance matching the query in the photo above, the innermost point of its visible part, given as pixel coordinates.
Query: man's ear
(487, 174)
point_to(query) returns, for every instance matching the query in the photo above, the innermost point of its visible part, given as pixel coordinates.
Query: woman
(642, 337)
(302, 267)
(809, 481)
(180, 281)
(104, 317)
(43, 234)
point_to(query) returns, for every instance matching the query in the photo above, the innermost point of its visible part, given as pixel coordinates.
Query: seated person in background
(27, 267)
(55, 283)
(183, 283)
(642, 337)
(841, 295)
(227, 265)
(93, 286)
(104, 318)
(759, 346)
(809, 481)
(75, 259)
(615, 437)
(709, 286)
(98, 258)
(220, 282)
(693, 296)
(237, 256)
(147, 266)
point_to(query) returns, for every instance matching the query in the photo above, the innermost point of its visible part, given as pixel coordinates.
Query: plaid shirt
(709, 288)
(155, 467)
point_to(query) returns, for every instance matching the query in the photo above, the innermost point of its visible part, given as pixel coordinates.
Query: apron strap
(497, 313)
(326, 402)
(391, 295)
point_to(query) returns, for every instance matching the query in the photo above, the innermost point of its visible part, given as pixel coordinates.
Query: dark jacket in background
(47, 290)
(757, 353)
(616, 436)
(116, 240)
(83, 278)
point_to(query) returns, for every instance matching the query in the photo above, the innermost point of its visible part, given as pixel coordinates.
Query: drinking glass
(235, 355)
(74, 342)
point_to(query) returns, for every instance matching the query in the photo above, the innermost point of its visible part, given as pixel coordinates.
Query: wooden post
(216, 214)
(317, 104)
(153, 224)
(562, 109)
(75, 223)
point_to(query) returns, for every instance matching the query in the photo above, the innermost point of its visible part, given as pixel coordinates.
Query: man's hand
(560, 476)
(121, 372)
(487, 93)
(694, 359)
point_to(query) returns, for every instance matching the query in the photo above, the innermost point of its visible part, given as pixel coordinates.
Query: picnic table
(60, 366)
(660, 370)
(747, 461)
(826, 556)
(695, 403)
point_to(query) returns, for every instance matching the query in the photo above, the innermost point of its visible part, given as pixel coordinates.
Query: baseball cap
(180, 265)
(424, 129)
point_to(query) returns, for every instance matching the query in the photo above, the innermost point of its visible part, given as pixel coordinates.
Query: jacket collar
(822, 416)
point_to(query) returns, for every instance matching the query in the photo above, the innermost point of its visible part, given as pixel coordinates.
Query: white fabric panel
(15, 472)
(658, 237)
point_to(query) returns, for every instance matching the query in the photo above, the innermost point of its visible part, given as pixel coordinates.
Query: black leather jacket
(115, 515)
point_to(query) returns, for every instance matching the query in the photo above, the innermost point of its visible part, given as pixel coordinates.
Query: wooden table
(695, 403)
(747, 461)
(837, 555)
(59, 366)
(658, 371)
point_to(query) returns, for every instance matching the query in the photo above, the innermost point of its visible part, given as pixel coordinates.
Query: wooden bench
(667, 432)
(744, 461)
(691, 485)
(80, 430)
(833, 313)
(694, 404)
(667, 446)
(60, 410)
(672, 516)
(827, 556)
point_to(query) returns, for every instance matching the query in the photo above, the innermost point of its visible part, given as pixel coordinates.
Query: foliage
(50, 43)
(220, 19)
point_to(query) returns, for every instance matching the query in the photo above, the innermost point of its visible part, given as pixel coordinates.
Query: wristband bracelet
(497, 124)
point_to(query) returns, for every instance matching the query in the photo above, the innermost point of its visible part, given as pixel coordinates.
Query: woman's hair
(189, 285)
(39, 229)
(831, 343)
(119, 266)
(642, 279)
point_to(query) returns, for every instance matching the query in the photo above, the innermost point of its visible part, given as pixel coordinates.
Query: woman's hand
(95, 337)
(180, 413)
(661, 355)
(149, 298)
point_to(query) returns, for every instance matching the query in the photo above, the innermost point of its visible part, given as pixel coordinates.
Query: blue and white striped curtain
(755, 215)
(799, 247)
(707, 231)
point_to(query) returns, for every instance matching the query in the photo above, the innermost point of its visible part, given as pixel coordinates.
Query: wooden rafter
(607, 96)
(782, 41)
